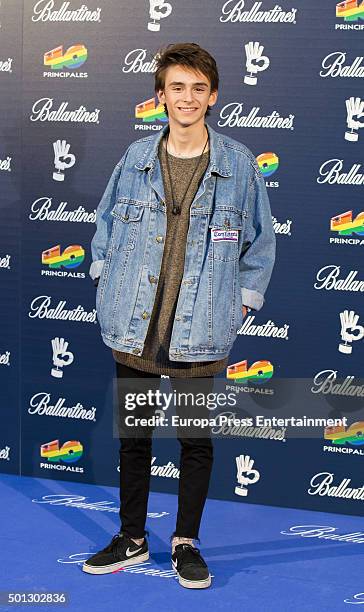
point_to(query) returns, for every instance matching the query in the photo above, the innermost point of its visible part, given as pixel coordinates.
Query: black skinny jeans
(135, 463)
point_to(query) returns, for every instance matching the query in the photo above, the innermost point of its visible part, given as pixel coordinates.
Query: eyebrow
(180, 83)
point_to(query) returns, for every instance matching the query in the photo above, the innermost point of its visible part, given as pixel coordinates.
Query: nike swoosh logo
(130, 553)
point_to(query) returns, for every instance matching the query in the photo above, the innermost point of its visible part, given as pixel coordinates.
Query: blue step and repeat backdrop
(76, 88)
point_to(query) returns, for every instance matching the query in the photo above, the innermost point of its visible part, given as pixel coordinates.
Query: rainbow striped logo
(354, 434)
(268, 163)
(71, 257)
(350, 10)
(74, 57)
(344, 224)
(69, 452)
(259, 371)
(148, 111)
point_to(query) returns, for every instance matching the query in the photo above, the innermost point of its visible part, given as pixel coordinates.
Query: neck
(187, 141)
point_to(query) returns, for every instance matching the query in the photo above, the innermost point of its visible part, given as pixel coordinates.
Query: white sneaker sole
(193, 584)
(108, 569)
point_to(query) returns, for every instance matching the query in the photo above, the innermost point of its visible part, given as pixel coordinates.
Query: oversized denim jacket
(220, 275)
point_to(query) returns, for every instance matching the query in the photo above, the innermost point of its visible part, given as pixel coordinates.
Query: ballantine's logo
(144, 567)
(41, 212)
(268, 163)
(71, 257)
(333, 65)
(230, 116)
(5, 358)
(134, 62)
(40, 310)
(149, 112)
(39, 404)
(78, 501)
(69, 452)
(351, 11)
(233, 11)
(168, 470)
(5, 65)
(247, 431)
(327, 279)
(325, 382)
(4, 453)
(268, 330)
(74, 57)
(330, 172)
(321, 485)
(324, 532)
(344, 225)
(258, 372)
(5, 164)
(43, 12)
(41, 111)
(282, 228)
(5, 262)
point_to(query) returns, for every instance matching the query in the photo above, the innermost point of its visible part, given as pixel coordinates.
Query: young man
(184, 246)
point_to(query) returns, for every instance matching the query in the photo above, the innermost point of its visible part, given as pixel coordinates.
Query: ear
(161, 96)
(213, 98)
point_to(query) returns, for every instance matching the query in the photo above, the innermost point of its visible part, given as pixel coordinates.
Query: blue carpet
(255, 566)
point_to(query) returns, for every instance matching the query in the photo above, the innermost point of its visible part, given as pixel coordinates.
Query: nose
(188, 97)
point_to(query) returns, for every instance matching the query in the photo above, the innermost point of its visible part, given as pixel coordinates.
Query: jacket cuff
(251, 298)
(96, 268)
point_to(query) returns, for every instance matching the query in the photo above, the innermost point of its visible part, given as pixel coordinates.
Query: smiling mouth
(186, 109)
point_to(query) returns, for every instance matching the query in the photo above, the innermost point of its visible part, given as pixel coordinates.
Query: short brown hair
(190, 55)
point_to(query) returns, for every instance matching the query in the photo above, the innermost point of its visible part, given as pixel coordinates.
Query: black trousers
(136, 456)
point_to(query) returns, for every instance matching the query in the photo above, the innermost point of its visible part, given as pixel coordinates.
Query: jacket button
(126, 217)
(136, 351)
(145, 315)
(153, 279)
(159, 238)
(178, 318)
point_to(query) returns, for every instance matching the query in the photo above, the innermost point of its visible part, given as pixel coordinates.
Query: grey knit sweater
(154, 358)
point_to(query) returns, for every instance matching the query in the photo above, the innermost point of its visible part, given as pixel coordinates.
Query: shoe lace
(113, 546)
(191, 554)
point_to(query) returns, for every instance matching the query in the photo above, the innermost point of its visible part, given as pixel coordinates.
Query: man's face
(187, 95)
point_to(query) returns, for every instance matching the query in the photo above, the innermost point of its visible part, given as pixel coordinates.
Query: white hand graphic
(61, 154)
(255, 61)
(244, 464)
(158, 9)
(349, 321)
(355, 110)
(61, 357)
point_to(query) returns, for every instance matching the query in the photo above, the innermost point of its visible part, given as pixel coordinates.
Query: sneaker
(121, 552)
(190, 567)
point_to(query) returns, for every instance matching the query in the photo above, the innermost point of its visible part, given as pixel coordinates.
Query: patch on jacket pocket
(219, 235)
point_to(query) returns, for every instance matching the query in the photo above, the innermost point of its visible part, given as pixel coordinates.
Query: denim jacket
(229, 257)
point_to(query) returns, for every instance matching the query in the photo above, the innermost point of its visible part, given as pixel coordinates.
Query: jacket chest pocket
(225, 229)
(126, 225)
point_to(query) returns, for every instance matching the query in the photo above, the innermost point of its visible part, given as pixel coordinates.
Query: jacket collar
(218, 158)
